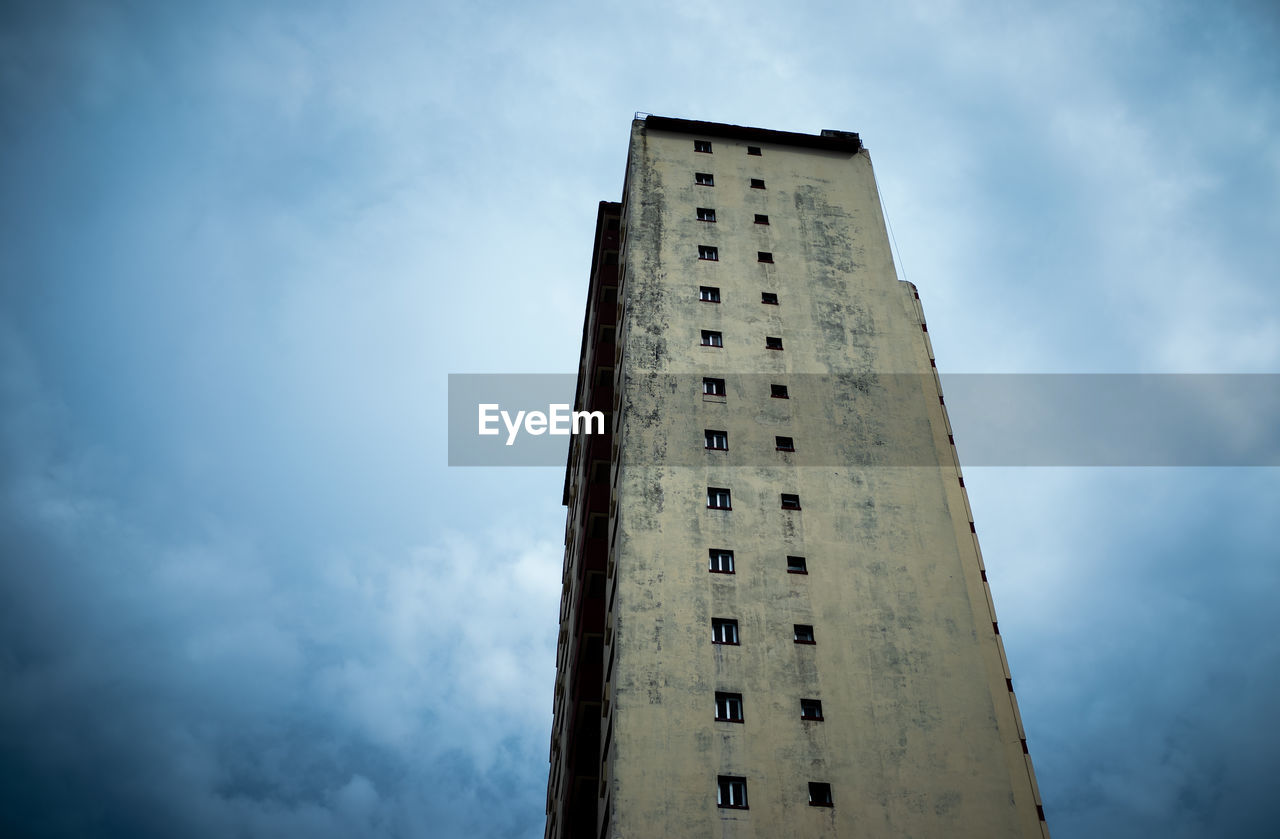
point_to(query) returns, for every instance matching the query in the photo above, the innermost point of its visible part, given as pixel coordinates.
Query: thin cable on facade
(884, 208)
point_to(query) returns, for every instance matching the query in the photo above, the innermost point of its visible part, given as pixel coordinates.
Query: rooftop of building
(829, 139)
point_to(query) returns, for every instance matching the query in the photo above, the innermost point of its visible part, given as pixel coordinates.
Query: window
(778, 391)
(718, 498)
(761, 218)
(713, 387)
(764, 256)
(811, 709)
(790, 501)
(784, 444)
(731, 792)
(721, 561)
(702, 145)
(729, 707)
(771, 343)
(757, 183)
(704, 179)
(819, 795)
(706, 214)
(600, 472)
(804, 634)
(769, 298)
(711, 338)
(716, 439)
(709, 294)
(724, 631)
(754, 151)
(797, 565)
(708, 252)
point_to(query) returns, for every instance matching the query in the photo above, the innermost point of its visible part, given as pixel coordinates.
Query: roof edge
(846, 141)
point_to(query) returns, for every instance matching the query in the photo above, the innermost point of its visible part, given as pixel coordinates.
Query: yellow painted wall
(921, 736)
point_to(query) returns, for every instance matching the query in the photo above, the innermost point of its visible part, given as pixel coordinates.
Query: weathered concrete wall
(920, 735)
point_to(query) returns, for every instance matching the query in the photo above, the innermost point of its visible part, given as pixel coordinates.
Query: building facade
(775, 618)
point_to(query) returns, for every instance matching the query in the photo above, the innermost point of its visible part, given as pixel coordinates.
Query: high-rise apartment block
(775, 618)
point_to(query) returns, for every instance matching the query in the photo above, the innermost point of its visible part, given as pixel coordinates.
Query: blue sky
(243, 245)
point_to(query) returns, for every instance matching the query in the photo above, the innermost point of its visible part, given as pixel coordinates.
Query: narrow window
(754, 151)
(711, 338)
(718, 440)
(709, 294)
(790, 501)
(720, 561)
(784, 444)
(731, 792)
(797, 565)
(702, 146)
(778, 391)
(706, 214)
(724, 631)
(804, 634)
(769, 298)
(728, 707)
(811, 709)
(771, 343)
(819, 795)
(718, 498)
(757, 183)
(713, 387)
(761, 218)
(600, 472)
(764, 256)
(704, 179)
(708, 252)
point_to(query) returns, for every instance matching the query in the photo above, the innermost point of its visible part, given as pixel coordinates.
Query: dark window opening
(790, 501)
(757, 183)
(771, 343)
(720, 561)
(764, 256)
(784, 444)
(724, 631)
(709, 294)
(718, 440)
(820, 795)
(728, 707)
(761, 218)
(731, 792)
(702, 146)
(769, 298)
(704, 179)
(811, 709)
(804, 634)
(797, 565)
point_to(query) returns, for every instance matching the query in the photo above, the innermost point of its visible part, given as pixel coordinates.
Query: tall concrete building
(775, 618)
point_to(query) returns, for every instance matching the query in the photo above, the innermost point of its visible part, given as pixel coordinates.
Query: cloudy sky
(243, 244)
